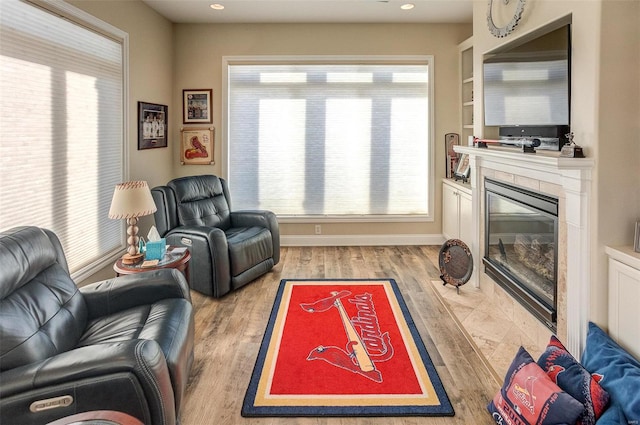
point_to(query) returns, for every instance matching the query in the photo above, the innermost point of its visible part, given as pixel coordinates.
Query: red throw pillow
(568, 374)
(528, 396)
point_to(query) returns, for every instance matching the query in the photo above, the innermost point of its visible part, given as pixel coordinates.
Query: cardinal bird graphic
(340, 358)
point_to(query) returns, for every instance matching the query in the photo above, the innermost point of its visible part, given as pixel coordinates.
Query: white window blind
(331, 139)
(61, 135)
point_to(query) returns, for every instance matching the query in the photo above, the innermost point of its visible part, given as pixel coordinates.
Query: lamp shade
(131, 199)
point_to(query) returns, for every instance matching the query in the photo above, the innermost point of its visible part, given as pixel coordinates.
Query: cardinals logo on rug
(366, 344)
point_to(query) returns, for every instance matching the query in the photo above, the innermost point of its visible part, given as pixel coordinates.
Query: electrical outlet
(318, 229)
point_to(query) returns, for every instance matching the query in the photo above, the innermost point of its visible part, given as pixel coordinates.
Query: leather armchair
(228, 248)
(123, 344)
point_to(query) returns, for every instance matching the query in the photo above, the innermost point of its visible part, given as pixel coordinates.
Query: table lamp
(132, 200)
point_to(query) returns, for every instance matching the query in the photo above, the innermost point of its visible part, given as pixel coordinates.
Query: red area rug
(343, 348)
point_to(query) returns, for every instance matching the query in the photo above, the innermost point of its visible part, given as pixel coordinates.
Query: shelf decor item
(451, 140)
(196, 106)
(464, 169)
(636, 239)
(152, 125)
(196, 146)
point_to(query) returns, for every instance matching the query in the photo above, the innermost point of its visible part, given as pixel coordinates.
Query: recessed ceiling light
(407, 6)
(217, 6)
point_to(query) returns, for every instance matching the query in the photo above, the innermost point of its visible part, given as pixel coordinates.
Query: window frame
(228, 61)
(70, 13)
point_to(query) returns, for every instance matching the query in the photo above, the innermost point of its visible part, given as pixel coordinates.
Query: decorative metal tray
(456, 263)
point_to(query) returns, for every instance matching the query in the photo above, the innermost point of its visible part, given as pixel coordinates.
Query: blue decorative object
(156, 249)
(618, 370)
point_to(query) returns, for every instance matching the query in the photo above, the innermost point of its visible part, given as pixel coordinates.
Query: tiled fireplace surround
(569, 179)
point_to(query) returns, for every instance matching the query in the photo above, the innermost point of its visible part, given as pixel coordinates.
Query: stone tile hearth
(492, 325)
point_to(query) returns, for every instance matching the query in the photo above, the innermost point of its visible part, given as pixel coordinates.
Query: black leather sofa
(124, 344)
(228, 248)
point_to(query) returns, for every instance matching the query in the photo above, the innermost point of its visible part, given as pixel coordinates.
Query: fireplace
(521, 240)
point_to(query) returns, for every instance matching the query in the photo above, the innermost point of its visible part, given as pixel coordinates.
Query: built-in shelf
(465, 50)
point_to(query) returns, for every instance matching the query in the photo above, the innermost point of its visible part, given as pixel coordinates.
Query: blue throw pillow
(528, 396)
(619, 372)
(568, 374)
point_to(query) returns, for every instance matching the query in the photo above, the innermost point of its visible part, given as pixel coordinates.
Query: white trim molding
(361, 240)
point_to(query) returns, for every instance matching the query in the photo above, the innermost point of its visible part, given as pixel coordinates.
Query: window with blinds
(61, 135)
(333, 139)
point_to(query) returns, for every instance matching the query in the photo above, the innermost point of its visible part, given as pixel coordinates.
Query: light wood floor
(229, 332)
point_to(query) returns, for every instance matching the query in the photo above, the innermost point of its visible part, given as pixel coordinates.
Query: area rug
(343, 348)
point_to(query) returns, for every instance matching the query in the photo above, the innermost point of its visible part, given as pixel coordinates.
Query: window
(331, 138)
(62, 136)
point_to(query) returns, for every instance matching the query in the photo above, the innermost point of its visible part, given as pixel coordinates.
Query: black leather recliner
(123, 344)
(228, 248)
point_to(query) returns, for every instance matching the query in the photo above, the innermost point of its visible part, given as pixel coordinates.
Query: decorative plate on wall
(456, 263)
(502, 17)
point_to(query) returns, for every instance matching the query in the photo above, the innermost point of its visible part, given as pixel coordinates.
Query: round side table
(173, 259)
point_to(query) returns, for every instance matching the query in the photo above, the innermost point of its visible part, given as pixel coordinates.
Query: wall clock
(503, 16)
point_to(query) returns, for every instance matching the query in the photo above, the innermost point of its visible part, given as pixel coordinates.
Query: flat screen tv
(528, 85)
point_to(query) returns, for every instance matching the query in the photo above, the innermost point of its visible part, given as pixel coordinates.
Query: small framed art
(464, 169)
(152, 125)
(196, 106)
(196, 146)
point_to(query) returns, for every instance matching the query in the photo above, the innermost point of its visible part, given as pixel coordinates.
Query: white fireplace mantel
(574, 176)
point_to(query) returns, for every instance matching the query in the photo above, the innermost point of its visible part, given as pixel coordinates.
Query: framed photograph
(636, 239)
(463, 170)
(451, 140)
(152, 125)
(196, 146)
(196, 106)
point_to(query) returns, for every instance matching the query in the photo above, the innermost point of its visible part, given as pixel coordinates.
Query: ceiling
(314, 11)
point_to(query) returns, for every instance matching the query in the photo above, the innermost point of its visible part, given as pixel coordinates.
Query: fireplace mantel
(574, 176)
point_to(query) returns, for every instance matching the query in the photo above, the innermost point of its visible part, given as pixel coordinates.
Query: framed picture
(152, 125)
(636, 239)
(451, 140)
(463, 170)
(196, 146)
(196, 106)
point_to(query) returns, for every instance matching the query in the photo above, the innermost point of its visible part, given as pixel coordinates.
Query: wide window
(331, 138)
(62, 138)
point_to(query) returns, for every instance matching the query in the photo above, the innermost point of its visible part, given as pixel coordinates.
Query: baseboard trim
(361, 240)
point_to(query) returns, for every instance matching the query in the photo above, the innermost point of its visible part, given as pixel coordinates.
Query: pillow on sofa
(575, 380)
(529, 396)
(619, 371)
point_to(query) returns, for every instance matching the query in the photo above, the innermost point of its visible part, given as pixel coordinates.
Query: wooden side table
(171, 260)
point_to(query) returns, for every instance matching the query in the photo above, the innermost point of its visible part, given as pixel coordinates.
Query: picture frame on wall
(196, 106)
(196, 146)
(152, 125)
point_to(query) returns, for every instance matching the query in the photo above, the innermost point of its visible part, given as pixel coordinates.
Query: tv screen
(529, 85)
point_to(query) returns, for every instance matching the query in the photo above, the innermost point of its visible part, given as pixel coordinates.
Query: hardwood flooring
(229, 332)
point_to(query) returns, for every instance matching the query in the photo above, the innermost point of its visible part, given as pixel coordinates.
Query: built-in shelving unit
(466, 90)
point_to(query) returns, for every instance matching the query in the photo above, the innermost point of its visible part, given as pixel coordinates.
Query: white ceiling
(314, 11)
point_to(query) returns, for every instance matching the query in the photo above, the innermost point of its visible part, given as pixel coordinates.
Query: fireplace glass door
(521, 239)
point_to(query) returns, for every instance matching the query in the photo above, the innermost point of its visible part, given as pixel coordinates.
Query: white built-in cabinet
(624, 293)
(456, 211)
